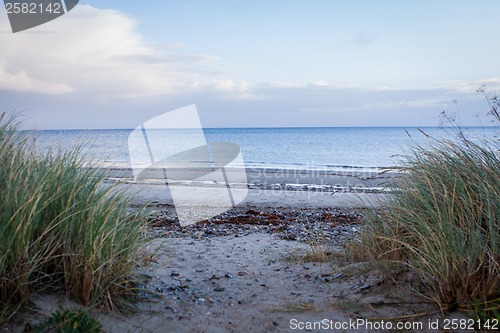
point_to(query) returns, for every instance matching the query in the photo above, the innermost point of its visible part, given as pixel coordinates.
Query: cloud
(95, 52)
(229, 89)
(320, 105)
(20, 81)
(471, 85)
(92, 64)
(278, 84)
(229, 103)
(191, 58)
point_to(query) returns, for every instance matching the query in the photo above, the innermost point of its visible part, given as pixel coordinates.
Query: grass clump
(60, 227)
(69, 321)
(445, 223)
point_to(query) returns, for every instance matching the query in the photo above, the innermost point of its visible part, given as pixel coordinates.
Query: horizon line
(269, 127)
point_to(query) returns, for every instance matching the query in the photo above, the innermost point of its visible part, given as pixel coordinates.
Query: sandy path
(254, 283)
(246, 284)
(231, 284)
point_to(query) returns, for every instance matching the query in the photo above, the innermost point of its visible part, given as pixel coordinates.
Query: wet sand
(342, 178)
(265, 187)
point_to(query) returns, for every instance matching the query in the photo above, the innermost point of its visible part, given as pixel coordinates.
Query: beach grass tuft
(444, 224)
(60, 228)
(69, 321)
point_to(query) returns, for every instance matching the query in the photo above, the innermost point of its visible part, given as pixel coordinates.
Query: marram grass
(445, 224)
(60, 227)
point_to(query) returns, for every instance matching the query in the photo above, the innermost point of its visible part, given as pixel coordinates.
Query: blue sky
(116, 63)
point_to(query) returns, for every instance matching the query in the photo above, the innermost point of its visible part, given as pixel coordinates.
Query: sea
(325, 148)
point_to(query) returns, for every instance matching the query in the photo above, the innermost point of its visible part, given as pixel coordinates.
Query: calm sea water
(301, 148)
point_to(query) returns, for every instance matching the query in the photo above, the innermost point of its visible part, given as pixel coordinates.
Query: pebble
(333, 225)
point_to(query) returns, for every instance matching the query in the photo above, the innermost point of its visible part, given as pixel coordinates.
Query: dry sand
(255, 283)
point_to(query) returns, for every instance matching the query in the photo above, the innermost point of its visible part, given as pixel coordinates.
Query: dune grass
(60, 228)
(445, 224)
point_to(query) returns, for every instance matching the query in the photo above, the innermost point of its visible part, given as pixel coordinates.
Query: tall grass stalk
(445, 225)
(60, 227)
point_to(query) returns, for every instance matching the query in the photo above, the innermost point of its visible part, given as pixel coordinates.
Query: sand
(255, 281)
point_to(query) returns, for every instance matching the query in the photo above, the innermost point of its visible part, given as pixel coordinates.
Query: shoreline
(161, 195)
(364, 177)
(266, 188)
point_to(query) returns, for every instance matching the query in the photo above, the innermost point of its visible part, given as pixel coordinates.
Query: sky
(261, 63)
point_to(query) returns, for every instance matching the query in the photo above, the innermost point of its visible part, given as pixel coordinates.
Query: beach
(274, 263)
(249, 166)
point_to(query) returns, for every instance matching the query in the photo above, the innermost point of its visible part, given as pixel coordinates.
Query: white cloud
(20, 81)
(92, 51)
(471, 85)
(229, 89)
(407, 103)
(230, 86)
(278, 84)
(93, 55)
(319, 83)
